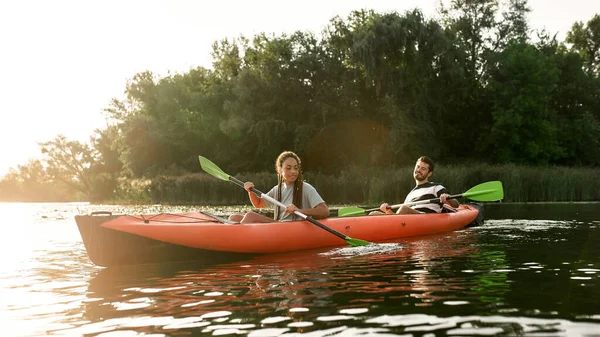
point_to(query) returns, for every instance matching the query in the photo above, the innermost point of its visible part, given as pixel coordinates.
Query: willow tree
(585, 39)
(410, 63)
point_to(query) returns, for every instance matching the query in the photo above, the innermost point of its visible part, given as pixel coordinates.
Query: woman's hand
(248, 186)
(291, 208)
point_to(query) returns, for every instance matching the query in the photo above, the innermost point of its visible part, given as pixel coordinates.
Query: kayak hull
(154, 238)
(107, 247)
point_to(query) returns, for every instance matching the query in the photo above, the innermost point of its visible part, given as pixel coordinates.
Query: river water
(530, 270)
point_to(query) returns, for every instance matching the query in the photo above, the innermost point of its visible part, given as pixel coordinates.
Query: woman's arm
(321, 211)
(256, 201)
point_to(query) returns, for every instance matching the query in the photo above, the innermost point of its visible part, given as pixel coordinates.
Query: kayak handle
(101, 213)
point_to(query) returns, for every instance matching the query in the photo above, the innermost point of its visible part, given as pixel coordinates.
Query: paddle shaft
(298, 213)
(428, 201)
(488, 191)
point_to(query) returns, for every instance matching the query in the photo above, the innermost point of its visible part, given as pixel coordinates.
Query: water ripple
(506, 278)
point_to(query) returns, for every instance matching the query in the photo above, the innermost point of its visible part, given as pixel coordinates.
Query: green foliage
(79, 167)
(406, 59)
(132, 191)
(522, 85)
(374, 91)
(586, 41)
(69, 171)
(203, 189)
(69, 162)
(576, 106)
(30, 182)
(372, 186)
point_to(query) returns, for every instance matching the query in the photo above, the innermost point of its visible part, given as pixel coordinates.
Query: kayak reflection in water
(291, 190)
(423, 190)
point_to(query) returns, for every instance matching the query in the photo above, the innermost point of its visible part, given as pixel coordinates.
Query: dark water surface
(531, 270)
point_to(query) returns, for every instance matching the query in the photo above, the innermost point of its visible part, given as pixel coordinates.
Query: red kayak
(133, 239)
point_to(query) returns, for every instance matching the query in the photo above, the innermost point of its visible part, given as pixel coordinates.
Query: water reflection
(509, 277)
(446, 278)
(306, 288)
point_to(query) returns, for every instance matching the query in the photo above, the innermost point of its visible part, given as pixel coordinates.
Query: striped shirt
(428, 190)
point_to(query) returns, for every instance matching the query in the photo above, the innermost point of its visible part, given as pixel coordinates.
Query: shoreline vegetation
(476, 89)
(357, 186)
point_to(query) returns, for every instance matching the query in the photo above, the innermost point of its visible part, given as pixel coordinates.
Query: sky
(62, 61)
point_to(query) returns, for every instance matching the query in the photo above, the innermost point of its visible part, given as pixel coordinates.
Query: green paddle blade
(350, 211)
(212, 169)
(490, 191)
(356, 242)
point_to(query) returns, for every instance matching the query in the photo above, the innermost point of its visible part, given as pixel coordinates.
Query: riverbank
(375, 185)
(356, 186)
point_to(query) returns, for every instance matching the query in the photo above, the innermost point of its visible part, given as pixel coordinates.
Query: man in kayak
(424, 190)
(291, 190)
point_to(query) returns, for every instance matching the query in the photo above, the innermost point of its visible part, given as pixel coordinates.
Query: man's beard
(420, 178)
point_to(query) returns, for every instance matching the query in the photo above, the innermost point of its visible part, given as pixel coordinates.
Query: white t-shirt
(426, 191)
(310, 199)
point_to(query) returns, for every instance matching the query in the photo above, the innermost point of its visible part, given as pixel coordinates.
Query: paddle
(212, 169)
(489, 191)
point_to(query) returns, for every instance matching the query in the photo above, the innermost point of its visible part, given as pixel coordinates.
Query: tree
(69, 162)
(26, 182)
(410, 65)
(575, 103)
(524, 126)
(586, 41)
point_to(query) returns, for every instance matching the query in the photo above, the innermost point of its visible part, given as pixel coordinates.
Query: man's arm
(452, 202)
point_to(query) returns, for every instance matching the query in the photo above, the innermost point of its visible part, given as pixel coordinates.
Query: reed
(202, 189)
(371, 186)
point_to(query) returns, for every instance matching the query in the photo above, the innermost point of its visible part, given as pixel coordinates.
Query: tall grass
(371, 186)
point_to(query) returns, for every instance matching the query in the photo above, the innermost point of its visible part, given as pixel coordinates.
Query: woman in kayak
(424, 190)
(291, 190)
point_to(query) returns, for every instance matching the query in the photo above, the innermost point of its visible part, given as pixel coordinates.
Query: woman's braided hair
(297, 184)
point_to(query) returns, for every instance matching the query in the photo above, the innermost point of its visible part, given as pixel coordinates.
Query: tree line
(474, 85)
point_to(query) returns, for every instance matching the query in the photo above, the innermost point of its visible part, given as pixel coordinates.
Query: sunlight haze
(63, 61)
